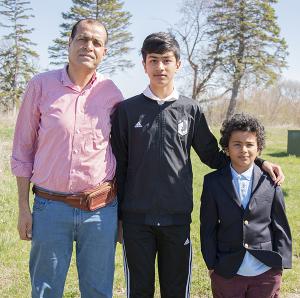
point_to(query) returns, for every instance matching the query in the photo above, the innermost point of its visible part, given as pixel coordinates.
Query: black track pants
(173, 247)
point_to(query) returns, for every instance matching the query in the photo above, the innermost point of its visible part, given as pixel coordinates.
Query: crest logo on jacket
(182, 127)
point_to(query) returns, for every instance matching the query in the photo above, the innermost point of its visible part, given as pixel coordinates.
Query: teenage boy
(152, 134)
(245, 235)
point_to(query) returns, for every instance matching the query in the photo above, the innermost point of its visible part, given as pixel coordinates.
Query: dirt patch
(7, 277)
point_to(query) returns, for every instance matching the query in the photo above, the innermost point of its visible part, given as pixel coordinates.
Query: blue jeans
(55, 227)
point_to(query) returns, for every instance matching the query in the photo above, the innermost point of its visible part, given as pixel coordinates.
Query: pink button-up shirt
(62, 133)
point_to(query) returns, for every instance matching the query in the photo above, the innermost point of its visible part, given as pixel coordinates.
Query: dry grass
(269, 105)
(7, 119)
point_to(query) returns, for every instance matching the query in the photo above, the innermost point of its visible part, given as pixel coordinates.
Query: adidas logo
(187, 241)
(138, 124)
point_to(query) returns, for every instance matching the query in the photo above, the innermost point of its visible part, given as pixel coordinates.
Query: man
(152, 136)
(61, 145)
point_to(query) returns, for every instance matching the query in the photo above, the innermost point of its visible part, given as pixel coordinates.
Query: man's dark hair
(89, 21)
(160, 43)
(242, 122)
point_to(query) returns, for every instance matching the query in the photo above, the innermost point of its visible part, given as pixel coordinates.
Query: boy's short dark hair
(160, 43)
(242, 122)
(89, 21)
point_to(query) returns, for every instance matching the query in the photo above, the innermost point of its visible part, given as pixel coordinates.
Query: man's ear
(70, 41)
(178, 64)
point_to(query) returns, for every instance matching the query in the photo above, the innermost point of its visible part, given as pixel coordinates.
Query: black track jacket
(152, 146)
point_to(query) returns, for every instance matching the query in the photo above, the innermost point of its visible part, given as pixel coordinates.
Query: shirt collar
(66, 81)
(173, 96)
(246, 175)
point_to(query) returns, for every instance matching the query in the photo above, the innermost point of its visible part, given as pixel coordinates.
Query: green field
(14, 277)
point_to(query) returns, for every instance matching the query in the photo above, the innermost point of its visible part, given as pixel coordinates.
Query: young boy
(152, 134)
(245, 235)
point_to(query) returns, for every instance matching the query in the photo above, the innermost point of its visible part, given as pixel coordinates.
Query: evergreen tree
(16, 54)
(251, 49)
(108, 12)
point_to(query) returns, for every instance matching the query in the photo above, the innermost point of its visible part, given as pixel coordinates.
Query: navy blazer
(227, 230)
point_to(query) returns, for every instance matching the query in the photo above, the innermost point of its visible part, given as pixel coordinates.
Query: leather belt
(89, 200)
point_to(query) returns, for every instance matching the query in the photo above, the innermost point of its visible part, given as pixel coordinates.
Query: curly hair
(242, 122)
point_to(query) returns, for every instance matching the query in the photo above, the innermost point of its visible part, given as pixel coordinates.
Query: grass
(14, 254)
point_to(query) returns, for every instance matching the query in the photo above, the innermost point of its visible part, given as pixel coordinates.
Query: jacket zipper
(160, 140)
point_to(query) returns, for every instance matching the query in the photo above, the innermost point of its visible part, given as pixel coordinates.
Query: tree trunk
(97, 10)
(233, 99)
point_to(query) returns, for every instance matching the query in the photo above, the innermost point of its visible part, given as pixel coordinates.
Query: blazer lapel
(227, 185)
(258, 177)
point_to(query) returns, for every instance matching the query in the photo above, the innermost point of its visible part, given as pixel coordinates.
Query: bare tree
(191, 31)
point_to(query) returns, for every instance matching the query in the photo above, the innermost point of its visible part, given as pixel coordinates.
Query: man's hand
(274, 171)
(120, 232)
(25, 224)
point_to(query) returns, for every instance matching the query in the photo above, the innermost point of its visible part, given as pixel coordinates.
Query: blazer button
(246, 222)
(246, 245)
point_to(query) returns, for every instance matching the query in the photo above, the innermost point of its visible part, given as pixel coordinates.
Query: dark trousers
(172, 245)
(266, 285)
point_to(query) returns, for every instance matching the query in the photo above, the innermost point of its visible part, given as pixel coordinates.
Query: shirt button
(246, 245)
(75, 151)
(246, 222)
(77, 131)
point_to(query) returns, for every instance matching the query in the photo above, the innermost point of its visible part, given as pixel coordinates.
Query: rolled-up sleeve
(26, 132)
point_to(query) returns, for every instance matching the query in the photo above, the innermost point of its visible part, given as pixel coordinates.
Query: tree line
(228, 45)
(17, 54)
